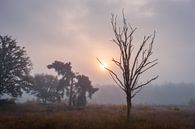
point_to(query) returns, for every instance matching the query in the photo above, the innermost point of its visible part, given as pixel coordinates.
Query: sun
(103, 66)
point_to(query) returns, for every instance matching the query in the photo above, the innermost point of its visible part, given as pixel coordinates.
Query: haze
(79, 31)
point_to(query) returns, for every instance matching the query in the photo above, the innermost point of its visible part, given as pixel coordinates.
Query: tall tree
(15, 67)
(84, 90)
(132, 64)
(72, 85)
(66, 81)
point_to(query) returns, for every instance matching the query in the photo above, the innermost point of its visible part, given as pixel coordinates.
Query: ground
(35, 116)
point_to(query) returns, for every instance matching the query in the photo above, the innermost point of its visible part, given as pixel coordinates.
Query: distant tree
(132, 64)
(84, 89)
(66, 79)
(191, 102)
(75, 87)
(15, 67)
(45, 88)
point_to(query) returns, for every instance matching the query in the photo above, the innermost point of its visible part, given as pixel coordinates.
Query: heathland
(31, 115)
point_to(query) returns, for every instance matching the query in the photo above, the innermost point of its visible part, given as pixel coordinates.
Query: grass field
(33, 116)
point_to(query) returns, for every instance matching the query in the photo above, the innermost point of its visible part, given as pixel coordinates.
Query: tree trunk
(44, 100)
(58, 99)
(128, 108)
(70, 97)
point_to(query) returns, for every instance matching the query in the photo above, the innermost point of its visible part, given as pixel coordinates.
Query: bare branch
(123, 88)
(148, 68)
(113, 74)
(138, 53)
(118, 64)
(137, 91)
(141, 62)
(137, 87)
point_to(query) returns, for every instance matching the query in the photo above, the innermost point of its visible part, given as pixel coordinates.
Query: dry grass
(33, 116)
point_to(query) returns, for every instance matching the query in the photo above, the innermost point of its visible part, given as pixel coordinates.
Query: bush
(7, 101)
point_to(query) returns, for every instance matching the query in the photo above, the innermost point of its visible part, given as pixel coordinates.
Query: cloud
(79, 31)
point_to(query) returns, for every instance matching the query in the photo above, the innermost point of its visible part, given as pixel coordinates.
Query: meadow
(59, 116)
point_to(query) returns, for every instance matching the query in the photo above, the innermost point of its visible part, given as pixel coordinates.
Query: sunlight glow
(103, 66)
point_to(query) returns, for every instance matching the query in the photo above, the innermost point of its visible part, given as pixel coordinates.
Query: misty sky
(79, 31)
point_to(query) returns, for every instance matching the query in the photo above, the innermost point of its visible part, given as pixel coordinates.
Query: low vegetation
(35, 116)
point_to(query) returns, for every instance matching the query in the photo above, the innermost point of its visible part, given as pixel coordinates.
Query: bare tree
(132, 64)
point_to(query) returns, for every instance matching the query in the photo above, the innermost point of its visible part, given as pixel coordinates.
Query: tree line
(15, 78)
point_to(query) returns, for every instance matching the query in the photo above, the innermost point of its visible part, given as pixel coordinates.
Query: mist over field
(167, 94)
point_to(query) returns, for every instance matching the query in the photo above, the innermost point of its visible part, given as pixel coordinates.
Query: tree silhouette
(15, 67)
(132, 64)
(45, 87)
(191, 102)
(66, 81)
(83, 89)
(72, 85)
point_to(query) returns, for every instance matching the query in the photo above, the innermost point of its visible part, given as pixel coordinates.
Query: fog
(79, 31)
(167, 94)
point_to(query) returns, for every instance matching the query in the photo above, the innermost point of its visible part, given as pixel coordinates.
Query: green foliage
(15, 67)
(62, 69)
(69, 85)
(44, 87)
(66, 79)
(84, 89)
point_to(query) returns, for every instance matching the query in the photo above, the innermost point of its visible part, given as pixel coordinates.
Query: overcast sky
(79, 31)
